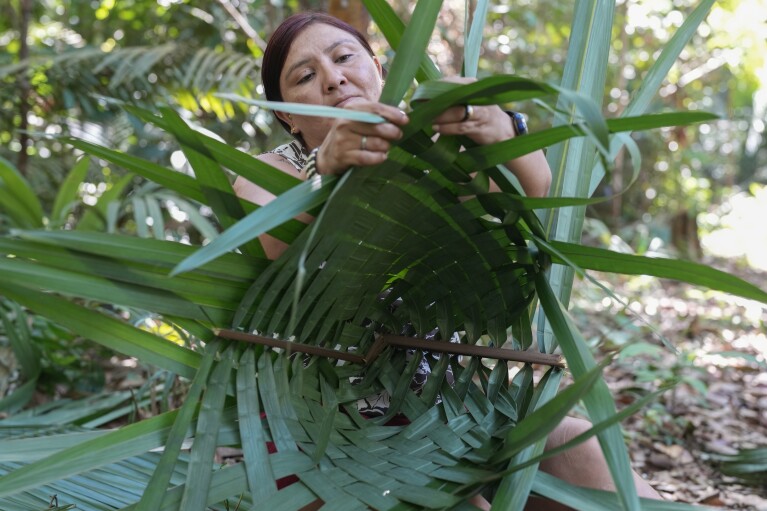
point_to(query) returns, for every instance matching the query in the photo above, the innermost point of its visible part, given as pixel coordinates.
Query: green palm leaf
(17, 331)
(417, 228)
(598, 402)
(102, 450)
(17, 199)
(393, 29)
(655, 76)
(571, 162)
(415, 38)
(593, 258)
(177, 433)
(474, 41)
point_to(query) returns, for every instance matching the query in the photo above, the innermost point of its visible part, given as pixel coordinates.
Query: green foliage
(749, 465)
(76, 205)
(685, 169)
(85, 61)
(475, 267)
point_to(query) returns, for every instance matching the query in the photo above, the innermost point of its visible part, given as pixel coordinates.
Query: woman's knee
(568, 429)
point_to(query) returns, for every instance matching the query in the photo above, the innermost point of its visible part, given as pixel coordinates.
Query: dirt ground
(720, 404)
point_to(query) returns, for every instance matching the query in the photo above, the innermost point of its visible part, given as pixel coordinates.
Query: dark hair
(279, 46)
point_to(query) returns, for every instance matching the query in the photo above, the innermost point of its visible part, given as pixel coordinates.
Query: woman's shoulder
(292, 153)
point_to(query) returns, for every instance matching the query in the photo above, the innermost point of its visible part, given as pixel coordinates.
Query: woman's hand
(352, 143)
(485, 125)
(488, 125)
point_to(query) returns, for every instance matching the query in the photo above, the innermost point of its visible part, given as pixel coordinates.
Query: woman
(316, 59)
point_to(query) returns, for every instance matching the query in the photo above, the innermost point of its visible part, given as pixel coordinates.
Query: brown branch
(528, 357)
(242, 22)
(454, 348)
(288, 345)
(24, 85)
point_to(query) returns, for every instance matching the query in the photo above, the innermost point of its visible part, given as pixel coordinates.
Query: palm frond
(143, 74)
(749, 465)
(465, 438)
(419, 230)
(46, 431)
(26, 356)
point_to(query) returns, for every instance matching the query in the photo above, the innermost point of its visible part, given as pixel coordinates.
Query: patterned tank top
(293, 152)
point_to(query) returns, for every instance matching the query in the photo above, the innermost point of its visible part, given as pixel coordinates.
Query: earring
(383, 82)
(293, 129)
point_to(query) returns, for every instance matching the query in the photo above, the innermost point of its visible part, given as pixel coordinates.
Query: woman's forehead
(318, 38)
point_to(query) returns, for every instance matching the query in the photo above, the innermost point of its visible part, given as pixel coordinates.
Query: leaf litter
(719, 406)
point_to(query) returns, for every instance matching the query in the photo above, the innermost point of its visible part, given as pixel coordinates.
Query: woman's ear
(288, 119)
(379, 67)
(284, 117)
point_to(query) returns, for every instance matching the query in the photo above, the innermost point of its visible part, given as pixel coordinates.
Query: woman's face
(327, 66)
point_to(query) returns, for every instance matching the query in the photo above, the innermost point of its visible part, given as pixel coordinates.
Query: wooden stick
(528, 357)
(288, 345)
(454, 348)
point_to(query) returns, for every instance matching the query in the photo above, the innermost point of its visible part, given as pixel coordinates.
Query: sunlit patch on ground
(755, 342)
(740, 228)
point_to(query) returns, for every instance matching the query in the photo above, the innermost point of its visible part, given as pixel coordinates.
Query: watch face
(520, 124)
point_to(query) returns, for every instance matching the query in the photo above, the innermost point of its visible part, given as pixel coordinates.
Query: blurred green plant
(52, 360)
(320, 291)
(748, 465)
(144, 210)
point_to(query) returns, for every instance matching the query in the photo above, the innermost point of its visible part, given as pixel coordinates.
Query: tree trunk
(352, 12)
(684, 235)
(616, 203)
(24, 87)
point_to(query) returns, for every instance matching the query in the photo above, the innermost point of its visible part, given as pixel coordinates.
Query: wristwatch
(518, 122)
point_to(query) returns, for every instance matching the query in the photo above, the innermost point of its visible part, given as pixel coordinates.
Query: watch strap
(310, 167)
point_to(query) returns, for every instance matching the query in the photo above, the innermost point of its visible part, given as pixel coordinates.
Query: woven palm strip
(435, 462)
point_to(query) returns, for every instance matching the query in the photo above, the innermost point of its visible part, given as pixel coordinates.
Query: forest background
(701, 193)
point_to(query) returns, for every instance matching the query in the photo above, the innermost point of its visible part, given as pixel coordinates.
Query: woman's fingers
(363, 158)
(374, 144)
(482, 124)
(459, 114)
(389, 130)
(353, 143)
(385, 131)
(392, 114)
(461, 120)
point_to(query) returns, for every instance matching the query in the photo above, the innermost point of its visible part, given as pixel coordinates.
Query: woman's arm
(533, 173)
(257, 195)
(489, 125)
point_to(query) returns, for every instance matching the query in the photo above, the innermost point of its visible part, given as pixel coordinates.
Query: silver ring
(364, 144)
(468, 113)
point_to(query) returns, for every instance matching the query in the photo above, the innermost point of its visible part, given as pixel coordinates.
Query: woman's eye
(344, 58)
(306, 78)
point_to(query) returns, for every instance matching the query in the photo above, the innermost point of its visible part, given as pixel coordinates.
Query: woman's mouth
(344, 101)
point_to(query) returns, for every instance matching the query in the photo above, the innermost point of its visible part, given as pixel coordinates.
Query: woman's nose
(334, 78)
